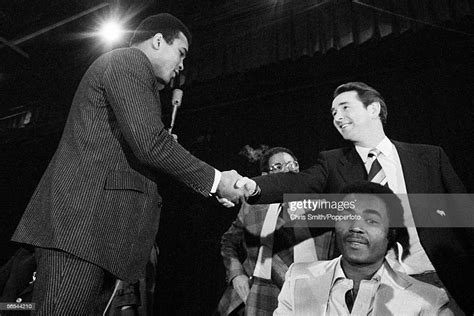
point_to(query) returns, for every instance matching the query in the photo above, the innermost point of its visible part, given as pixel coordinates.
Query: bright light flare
(111, 31)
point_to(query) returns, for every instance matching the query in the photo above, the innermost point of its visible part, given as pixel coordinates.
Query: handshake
(233, 188)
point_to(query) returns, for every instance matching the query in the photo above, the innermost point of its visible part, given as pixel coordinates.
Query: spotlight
(111, 32)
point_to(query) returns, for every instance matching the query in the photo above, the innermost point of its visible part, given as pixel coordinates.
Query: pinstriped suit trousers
(68, 285)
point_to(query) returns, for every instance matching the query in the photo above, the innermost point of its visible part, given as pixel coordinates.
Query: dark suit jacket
(98, 199)
(239, 248)
(426, 169)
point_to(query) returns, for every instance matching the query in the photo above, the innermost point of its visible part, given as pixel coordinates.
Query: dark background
(425, 73)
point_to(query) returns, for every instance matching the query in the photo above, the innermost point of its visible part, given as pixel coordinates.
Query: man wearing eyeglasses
(256, 266)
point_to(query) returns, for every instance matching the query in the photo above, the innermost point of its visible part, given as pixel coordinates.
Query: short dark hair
(397, 232)
(264, 167)
(166, 24)
(366, 94)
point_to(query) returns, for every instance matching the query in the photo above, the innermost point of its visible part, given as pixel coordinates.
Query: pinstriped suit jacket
(97, 198)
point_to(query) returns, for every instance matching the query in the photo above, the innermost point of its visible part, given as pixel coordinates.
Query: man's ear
(374, 108)
(157, 40)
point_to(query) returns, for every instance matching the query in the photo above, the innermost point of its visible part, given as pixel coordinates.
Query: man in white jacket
(361, 281)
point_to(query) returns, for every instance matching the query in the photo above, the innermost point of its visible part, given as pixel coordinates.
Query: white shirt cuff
(217, 179)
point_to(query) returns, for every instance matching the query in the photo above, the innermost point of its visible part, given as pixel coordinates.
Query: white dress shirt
(364, 302)
(417, 261)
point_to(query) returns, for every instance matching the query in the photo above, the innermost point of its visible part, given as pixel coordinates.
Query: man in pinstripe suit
(95, 213)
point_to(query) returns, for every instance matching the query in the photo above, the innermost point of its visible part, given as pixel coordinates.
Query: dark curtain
(241, 35)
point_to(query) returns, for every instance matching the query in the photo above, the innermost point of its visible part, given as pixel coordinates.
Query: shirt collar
(378, 275)
(385, 147)
(339, 273)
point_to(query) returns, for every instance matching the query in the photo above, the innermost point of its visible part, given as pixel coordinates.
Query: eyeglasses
(291, 165)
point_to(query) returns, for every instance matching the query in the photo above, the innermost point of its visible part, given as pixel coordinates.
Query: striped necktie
(376, 173)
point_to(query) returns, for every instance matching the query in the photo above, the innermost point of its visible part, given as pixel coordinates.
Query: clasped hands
(234, 188)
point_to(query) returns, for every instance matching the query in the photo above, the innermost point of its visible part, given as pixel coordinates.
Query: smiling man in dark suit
(94, 216)
(359, 114)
